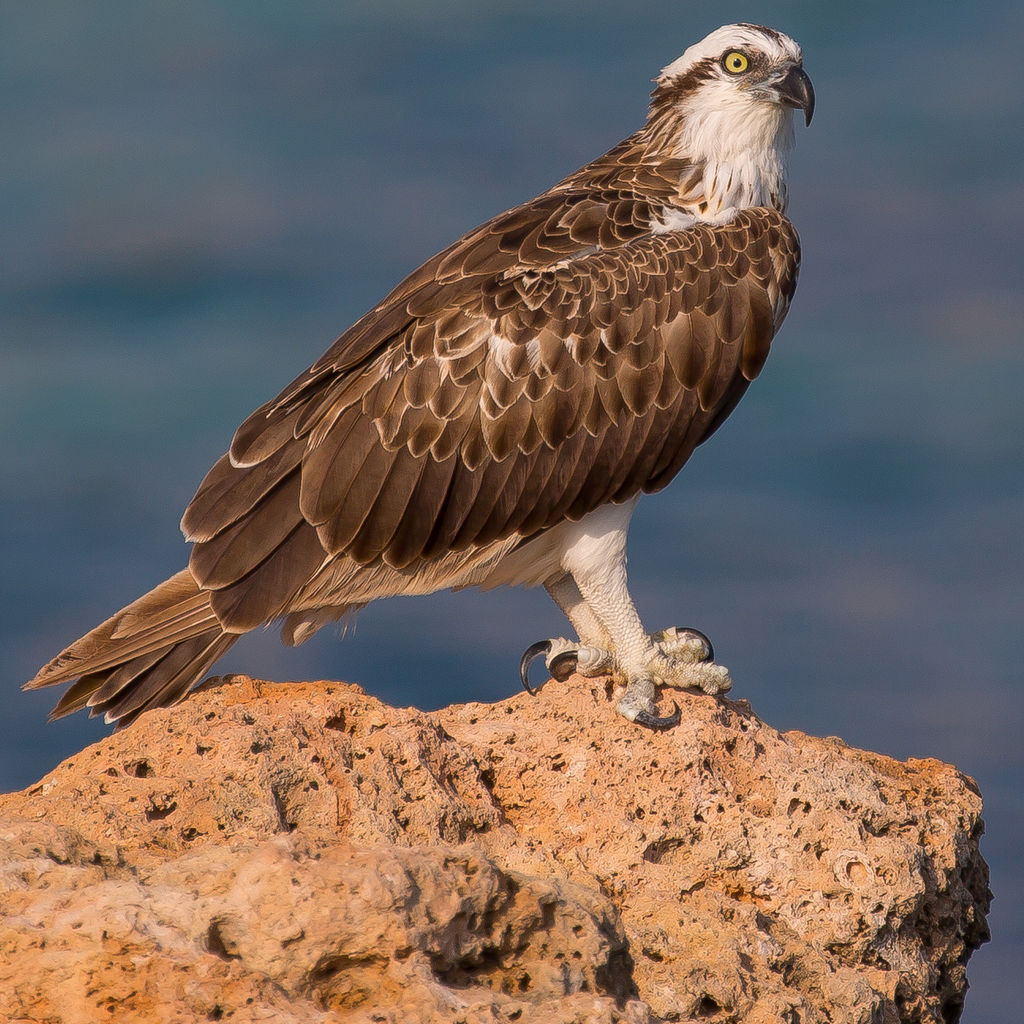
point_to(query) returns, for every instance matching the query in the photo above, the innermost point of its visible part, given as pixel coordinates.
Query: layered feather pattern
(446, 429)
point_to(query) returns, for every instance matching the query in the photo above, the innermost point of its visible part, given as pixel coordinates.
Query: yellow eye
(735, 62)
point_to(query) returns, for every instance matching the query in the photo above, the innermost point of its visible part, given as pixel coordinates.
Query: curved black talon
(564, 665)
(530, 655)
(710, 656)
(654, 722)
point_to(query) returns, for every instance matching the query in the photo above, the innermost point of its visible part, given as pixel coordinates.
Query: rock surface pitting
(301, 852)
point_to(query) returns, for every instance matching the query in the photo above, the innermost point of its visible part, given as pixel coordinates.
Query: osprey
(494, 420)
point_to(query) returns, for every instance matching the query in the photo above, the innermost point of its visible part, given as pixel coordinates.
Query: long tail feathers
(148, 655)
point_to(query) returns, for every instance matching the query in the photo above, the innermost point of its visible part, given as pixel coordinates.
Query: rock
(303, 852)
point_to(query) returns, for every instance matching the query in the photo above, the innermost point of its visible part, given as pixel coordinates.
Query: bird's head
(728, 101)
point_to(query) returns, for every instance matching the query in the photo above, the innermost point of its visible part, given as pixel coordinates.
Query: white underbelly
(598, 537)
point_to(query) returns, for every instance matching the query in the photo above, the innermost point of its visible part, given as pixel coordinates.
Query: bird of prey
(494, 420)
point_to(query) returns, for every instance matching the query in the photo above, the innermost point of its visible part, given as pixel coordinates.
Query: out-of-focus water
(195, 199)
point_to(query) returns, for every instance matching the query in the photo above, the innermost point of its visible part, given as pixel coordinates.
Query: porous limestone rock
(305, 853)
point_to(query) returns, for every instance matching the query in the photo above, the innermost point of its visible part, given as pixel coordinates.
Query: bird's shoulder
(610, 217)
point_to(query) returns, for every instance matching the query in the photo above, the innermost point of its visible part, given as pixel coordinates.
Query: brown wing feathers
(466, 426)
(559, 357)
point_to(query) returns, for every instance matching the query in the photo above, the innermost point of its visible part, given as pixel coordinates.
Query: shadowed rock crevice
(302, 849)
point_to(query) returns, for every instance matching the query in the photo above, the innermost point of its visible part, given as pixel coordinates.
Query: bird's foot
(708, 676)
(637, 704)
(686, 660)
(564, 657)
(683, 643)
(682, 659)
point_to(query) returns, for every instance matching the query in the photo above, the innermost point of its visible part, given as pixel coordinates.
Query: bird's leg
(590, 654)
(671, 657)
(592, 590)
(604, 591)
(593, 652)
(566, 595)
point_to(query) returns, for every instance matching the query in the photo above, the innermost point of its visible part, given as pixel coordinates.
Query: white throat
(743, 144)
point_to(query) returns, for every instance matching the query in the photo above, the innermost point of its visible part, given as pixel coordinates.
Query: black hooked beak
(795, 90)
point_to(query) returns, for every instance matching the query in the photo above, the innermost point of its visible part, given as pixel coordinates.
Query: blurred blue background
(196, 198)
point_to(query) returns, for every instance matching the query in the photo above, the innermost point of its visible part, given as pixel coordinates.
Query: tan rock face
(302, 852)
